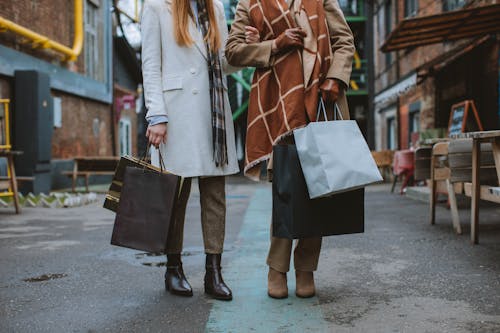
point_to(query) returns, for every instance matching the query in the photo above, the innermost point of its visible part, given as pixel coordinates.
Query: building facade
(85, 97)
(416, 86)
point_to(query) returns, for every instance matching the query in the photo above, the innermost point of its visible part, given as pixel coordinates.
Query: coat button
(195, 91)
(192, 71)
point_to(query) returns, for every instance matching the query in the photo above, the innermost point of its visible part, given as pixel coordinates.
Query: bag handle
(164, 168)
(162, 163)
(322, 109)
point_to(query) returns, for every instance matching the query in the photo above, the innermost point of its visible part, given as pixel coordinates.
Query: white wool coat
(176, 85)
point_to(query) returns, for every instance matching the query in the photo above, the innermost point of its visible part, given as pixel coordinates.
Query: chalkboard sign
(460, 121)
(457, 120)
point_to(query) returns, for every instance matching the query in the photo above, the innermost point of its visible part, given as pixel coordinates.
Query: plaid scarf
(216, 91)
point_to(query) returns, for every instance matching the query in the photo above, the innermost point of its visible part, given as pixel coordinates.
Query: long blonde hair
(182, 12)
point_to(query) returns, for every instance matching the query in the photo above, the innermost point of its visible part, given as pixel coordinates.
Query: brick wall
(407, 61)
(86, 124)
(86, 129)
(51, 18)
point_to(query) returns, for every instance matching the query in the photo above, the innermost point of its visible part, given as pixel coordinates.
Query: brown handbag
(145, 209)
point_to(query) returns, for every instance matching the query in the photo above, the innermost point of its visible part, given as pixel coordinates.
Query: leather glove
(289, 39)
(331, 89)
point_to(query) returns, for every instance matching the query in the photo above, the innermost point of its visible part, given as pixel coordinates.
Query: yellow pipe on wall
(71, 54)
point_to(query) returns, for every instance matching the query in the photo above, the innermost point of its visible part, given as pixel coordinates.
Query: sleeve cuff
(343, 81)
(155, 120)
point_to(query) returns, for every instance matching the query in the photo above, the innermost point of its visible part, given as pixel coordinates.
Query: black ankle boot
(214, 284)
(175, 280)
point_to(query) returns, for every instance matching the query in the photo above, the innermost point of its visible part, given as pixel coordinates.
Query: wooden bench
(87, 166)
(452, 163)
(476, 188)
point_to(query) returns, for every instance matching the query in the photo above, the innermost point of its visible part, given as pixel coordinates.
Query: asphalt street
(60, 274)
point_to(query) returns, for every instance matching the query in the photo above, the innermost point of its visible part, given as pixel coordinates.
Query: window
(414, 122)
(452, 4)
(93, 41)
(125, 135)
(411, 8)
(391, 133)
(384, 26)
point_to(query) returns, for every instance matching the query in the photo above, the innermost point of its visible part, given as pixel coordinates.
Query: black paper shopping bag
(295, 215)
(145, 210)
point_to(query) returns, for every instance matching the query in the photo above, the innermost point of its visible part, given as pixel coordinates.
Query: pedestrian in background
(306, 48)
(190, 121)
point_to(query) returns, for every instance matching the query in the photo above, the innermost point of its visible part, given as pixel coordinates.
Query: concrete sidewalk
(401, 275)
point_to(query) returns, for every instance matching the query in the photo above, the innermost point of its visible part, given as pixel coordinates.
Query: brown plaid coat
(285, 88)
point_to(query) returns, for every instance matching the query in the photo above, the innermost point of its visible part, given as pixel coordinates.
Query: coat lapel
(194, 32)
(198, 39)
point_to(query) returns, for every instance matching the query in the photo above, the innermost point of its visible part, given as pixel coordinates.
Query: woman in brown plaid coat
(305, 47)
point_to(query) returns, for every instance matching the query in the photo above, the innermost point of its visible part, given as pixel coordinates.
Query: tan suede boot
(304, 284)
(276, 284)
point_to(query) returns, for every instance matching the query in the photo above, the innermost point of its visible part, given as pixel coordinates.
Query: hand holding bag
(334, 156)
(146, 208)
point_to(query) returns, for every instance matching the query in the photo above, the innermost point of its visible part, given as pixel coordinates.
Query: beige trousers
(305, 255)
(213, 215)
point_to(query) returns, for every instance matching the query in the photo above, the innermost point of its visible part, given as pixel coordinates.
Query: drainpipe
(70, 54)
(398, 76)
(498, 87)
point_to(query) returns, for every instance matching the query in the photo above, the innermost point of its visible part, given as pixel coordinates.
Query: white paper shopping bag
(334, 156)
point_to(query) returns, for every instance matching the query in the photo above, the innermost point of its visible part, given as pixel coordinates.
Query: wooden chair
(404, 167)
(423, 163)
(384, 160)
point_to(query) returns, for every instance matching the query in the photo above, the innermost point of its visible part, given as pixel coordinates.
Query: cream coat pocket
(172, 82)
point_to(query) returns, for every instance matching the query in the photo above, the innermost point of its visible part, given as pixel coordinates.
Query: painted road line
(251, 309)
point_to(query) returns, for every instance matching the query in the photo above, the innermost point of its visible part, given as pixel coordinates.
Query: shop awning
(447, 58)
(426, 30)
(390, 94)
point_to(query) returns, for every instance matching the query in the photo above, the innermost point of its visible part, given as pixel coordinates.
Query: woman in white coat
(190, 121)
